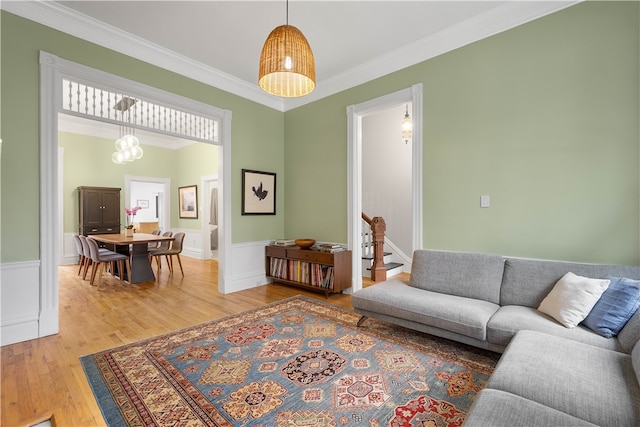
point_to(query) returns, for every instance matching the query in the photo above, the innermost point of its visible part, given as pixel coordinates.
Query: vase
(128, 232)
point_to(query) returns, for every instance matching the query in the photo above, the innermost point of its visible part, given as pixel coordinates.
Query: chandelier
(127, 146)
(287, 67)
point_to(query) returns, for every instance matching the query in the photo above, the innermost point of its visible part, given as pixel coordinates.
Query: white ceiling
(219, 42)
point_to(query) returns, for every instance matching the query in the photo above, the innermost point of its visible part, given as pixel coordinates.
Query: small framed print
(258, 192)
(143, 204)
(188, 201)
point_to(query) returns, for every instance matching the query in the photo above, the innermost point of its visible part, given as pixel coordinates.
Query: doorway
(156, 192)
(53, 70)
(210, 217)
(355, 115)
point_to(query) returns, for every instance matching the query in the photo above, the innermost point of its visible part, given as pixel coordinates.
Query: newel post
(378, 270)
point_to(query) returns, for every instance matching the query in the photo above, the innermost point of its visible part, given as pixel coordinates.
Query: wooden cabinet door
(110, 207)
(99, 210)
(91, 205)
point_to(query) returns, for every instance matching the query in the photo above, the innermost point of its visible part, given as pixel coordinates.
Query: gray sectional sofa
(548, 375)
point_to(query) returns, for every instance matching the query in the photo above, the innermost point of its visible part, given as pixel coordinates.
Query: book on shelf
(283, 242)
(330, 247)
(317, 275)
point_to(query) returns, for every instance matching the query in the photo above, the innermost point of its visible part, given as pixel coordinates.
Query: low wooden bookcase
(310, 269)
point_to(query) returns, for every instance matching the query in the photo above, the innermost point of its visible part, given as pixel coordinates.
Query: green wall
(257, 131)
(544, 118)
(87, 161)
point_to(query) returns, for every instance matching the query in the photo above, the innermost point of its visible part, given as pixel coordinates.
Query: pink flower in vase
(131, 212)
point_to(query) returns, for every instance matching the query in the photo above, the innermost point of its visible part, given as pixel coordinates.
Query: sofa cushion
(615, 307)
(465, 316)
(630, 334)
(635, 360)
(527, 281)
(572, 298)
(489, 409)
(510, 319)
(477, 276)
(587, 382)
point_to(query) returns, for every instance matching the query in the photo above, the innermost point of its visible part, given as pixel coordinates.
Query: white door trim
(355, 113)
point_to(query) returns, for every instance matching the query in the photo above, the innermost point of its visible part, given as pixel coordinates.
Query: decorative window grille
(126, 109)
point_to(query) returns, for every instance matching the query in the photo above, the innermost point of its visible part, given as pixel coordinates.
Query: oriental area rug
(297, 362)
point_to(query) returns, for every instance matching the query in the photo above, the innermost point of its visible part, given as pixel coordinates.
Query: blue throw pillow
(615, 307)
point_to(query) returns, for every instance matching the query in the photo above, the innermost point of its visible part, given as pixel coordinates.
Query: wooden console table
(310, 269)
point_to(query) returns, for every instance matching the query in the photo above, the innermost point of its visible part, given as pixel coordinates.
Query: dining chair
(83, 259)
(153, 245)
(100, 259)
(162, 246)
(86, 252)
(176, 249)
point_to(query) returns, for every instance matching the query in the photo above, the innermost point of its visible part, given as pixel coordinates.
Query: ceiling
(219, 42)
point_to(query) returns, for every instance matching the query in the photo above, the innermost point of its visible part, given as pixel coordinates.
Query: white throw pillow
(572, 298)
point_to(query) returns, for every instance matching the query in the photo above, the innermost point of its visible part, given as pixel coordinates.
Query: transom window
(127, 109)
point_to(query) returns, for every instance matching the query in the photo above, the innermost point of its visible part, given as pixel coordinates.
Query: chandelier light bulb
(117, 158)
(136, 152)
(130, 141)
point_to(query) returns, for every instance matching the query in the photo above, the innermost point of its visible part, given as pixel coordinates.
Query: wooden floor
(44, 377)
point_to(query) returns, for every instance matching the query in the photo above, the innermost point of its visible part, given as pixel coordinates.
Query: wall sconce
(406, 126)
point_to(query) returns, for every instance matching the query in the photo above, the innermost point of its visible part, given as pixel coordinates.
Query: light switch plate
(485, 201)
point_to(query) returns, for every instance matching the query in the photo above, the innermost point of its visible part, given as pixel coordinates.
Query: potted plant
(131, 213)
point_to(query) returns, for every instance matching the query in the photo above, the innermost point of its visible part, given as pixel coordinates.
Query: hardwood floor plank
(44, 376)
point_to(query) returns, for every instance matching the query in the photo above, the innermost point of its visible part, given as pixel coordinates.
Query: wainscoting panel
(69, 255)
(247, 268)
(192, 246)
(20, 299)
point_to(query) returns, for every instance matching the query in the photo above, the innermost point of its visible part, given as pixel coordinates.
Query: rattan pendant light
(287, 68)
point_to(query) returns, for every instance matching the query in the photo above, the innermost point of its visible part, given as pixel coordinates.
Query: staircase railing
(373, 230)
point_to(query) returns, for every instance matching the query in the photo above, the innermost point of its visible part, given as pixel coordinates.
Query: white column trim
(417, 162)
(50, 91)
(225, 261)
(354, 193)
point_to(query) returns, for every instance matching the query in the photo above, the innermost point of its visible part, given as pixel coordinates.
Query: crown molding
(509, 15)
(61, 18)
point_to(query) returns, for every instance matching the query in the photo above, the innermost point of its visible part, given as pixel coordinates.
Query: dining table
(137, 248)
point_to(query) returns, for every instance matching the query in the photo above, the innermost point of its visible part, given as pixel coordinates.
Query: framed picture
(143, 204)
(188, 201)
(258, 193)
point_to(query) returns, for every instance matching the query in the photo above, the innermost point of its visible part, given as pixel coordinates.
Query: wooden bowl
(304, 243)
